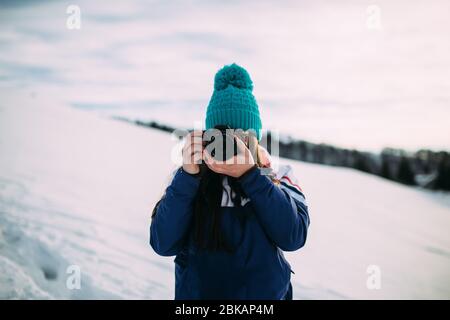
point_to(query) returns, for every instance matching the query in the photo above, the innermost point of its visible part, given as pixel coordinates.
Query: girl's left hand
(235, 166)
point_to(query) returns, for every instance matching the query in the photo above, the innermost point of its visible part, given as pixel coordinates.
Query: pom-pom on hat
(232, 102)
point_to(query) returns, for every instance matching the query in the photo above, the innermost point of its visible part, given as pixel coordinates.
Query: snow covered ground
(77, 189)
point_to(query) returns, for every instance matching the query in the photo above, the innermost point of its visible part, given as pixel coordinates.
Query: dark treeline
(425, 168)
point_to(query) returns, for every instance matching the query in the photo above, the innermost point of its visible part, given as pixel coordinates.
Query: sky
(356, 74)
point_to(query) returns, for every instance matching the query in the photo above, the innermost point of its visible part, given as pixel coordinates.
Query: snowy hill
(76, 189)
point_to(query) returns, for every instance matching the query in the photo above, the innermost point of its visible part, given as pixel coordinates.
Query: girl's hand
(234, 167)
(264, 157)
(192, 152)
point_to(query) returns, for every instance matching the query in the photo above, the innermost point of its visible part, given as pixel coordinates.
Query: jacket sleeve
(280, 208)
(173, 214)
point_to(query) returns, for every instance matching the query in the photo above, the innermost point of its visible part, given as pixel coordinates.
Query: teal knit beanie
(232, 102)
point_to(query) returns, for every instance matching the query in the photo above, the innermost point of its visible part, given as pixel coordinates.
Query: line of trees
(425, 168)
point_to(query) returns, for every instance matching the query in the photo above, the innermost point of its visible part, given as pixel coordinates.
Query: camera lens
(220, 143)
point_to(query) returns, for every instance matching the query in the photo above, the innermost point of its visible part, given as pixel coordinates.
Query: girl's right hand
(193, 152)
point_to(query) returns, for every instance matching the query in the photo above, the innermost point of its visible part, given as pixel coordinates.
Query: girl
(228, 224)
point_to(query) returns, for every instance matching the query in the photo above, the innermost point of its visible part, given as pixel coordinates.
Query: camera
(220, 142)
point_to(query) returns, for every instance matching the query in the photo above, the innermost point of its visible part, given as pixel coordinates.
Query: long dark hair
(207, 233)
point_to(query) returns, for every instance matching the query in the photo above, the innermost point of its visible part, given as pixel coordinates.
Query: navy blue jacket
(277, 220)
